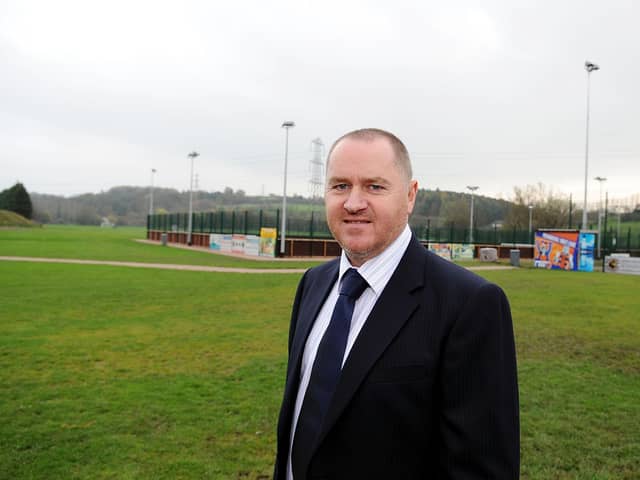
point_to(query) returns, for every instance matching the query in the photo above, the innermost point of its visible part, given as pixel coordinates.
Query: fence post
(311, 225)
(428, 229)
(260, 222)
(246, 222)
(233, 222)
(451, 233)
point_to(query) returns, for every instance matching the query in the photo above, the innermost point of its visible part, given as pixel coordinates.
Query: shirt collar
(373, 270)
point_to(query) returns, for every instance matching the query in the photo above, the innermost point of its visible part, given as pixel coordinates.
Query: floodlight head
(288, 124)
(473, 188)
(193, 154)
(590, 66)
(600, 179)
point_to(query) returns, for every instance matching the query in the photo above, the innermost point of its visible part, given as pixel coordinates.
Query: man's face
(368, 197)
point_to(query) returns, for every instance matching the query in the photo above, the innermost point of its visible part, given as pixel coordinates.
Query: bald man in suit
(422, 384)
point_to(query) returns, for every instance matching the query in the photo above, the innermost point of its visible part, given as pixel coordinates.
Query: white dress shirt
(377, 273)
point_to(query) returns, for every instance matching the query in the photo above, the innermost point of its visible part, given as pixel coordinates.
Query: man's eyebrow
(376, 180)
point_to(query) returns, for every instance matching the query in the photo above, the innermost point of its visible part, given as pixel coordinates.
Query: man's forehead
(378, 148)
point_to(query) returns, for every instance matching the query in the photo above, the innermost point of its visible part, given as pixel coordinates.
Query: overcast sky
(488, 93)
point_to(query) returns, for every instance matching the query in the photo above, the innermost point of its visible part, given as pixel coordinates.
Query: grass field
(114, 372)
(93, 243)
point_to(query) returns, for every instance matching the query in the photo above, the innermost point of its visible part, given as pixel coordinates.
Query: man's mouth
(357, 222)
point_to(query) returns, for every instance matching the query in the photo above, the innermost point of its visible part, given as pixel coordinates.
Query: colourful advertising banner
(453, 251)
(268, 242)
(587, 249)
(556, 250)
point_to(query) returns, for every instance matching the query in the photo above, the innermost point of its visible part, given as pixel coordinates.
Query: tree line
(128, 205)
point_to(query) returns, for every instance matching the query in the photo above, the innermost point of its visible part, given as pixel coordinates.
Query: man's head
(369, 192)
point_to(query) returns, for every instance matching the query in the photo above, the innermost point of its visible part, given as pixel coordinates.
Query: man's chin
(358, 254)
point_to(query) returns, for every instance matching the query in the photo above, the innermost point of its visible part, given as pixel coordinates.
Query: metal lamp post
(192, 156)
(286, 125)
(589, 67)
(473, 188)
(601, 180)
(153, 171)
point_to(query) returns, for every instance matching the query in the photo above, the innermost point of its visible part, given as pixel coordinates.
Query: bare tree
(550, 209)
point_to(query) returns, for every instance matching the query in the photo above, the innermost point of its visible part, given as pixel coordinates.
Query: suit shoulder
(451, 276)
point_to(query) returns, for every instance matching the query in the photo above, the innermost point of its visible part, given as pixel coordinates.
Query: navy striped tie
(326, 371)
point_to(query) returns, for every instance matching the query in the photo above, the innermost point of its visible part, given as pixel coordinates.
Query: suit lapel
(313, 300)
(393, 308)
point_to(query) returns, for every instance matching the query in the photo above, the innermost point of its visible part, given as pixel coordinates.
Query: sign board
(564, 250)
(462, 251)
(252, 245)
(268, 242)
(453, 251)
(628, 265)
(220, 242)
(237, 243)
(587, 250)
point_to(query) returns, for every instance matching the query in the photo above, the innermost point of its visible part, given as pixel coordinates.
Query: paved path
(193, 268)
(164, 266)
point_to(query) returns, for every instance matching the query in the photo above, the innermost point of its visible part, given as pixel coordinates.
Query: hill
(11, 219)
(128, 205)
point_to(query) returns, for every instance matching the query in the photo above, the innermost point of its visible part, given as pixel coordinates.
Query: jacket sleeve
(480, 415)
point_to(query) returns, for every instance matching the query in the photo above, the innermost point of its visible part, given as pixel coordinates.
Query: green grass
(111, 372)
(114, 372)
(94, 243)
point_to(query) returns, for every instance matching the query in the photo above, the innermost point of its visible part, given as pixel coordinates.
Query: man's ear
(413, 191)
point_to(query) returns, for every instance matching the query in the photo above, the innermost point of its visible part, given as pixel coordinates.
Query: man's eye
(376, 187)
(340, 186)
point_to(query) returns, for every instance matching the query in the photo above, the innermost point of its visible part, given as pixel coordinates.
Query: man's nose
(356, 201)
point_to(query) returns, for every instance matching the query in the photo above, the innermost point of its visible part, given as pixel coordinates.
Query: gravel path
(193, 268)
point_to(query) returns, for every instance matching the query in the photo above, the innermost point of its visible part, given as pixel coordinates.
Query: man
(401, 364)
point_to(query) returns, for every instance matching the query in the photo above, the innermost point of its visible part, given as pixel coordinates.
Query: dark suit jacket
(429, 389)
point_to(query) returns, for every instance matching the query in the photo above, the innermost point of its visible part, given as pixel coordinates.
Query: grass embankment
(12, 219)
(111, 372)
(94, 243)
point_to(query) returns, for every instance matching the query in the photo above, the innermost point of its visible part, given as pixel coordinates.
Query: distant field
(624, 226)
(114, 372)
(94, 243)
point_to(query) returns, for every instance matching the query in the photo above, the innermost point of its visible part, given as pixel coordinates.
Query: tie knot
(353, 284)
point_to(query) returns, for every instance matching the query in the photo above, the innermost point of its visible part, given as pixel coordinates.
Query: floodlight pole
(153, 171)
(473, 188)
(192, 156)
(601, 180)
(286, 125)
(589, 67)
(530, 221)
